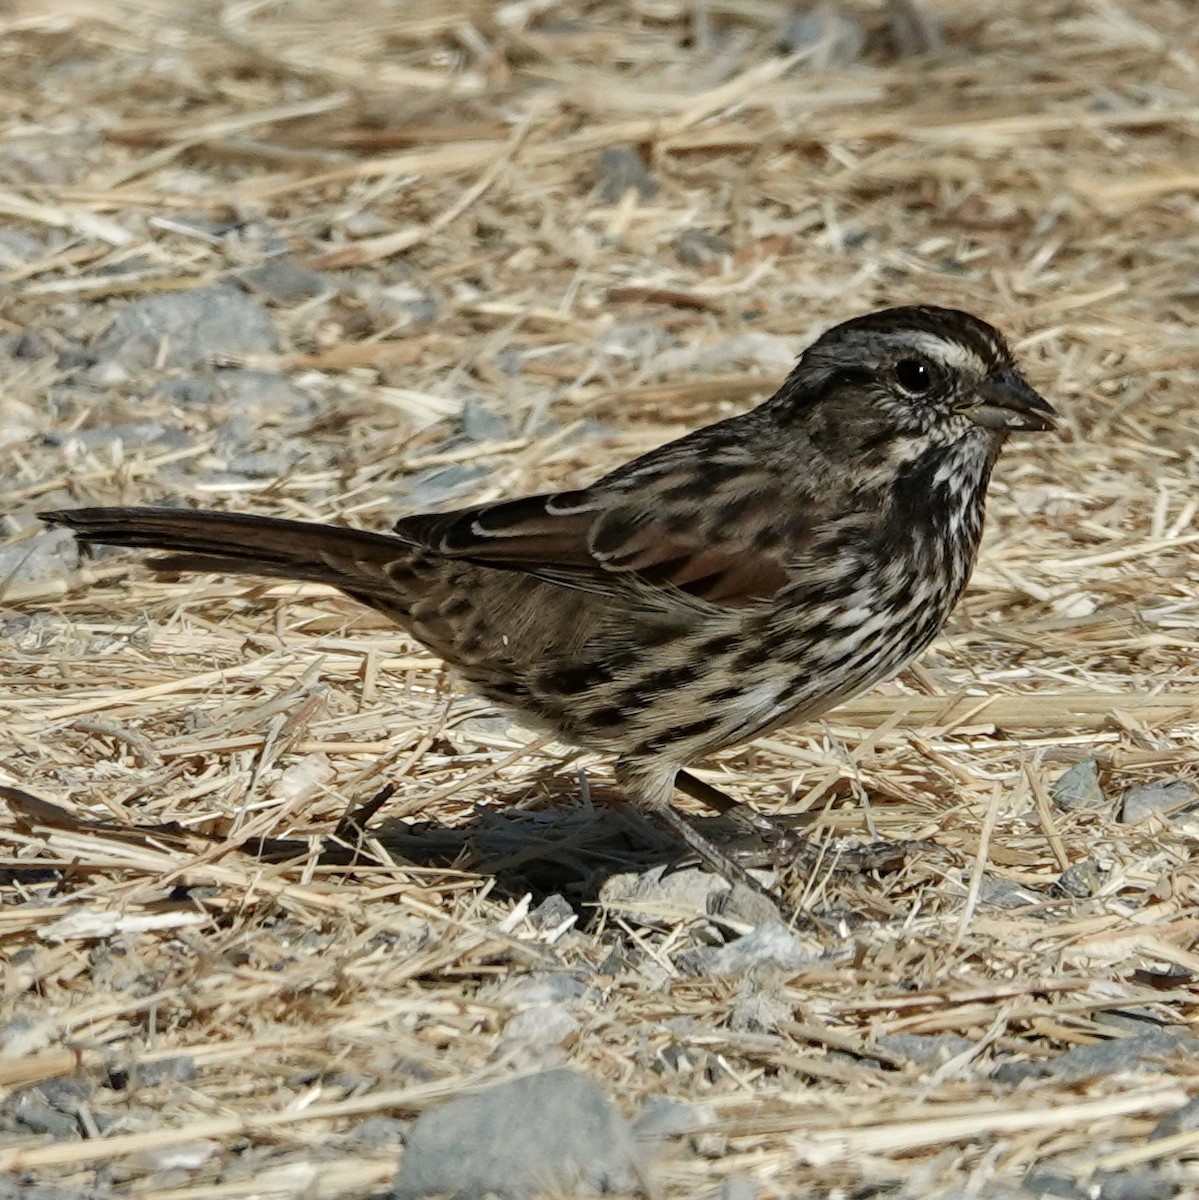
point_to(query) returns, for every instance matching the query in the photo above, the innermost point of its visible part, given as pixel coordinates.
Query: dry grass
(198, 742)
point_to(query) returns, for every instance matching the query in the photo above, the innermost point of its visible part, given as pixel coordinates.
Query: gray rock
(1102, 1059)
(1078, 787)
(1003, 893)
(286, 281)
(825, 35)
(128, 433)
(621, 168)
(738, 1187)
(18, 247)
(1135, 1021)
(662, 891)
(191, 391)
(479, 423)
(49, 554)
(700, 249)
(761, 1006)
(537, 1031)
(663, 1117)
(925, 1049)
(541, 987)
(264, 391)
(187, 329)
(1144, 1184)
(551, 1133)
(1041, 1182)
(405, 299)
(436, 486)
(770, 946)
(1080, 880)
(553, 911)
(911, 31)
(1164, 797)
(28, 344)
(179, 1068)
(378, 1133)
(1182, 1120)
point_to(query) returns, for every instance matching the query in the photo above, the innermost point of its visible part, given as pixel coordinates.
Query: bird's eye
(914, 375)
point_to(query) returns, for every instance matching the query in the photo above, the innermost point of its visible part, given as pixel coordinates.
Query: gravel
(554, 1132)
(1166, 797)
(184, 329)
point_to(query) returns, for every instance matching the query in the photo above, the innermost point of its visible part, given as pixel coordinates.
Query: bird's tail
(236, 543)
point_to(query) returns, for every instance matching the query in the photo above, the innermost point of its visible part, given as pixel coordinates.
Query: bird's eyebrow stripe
(949, 352)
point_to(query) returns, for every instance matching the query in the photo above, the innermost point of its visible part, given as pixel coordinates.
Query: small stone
(700, 249)
(910, 30)
(378, 1133)
(539, 1028)
(286, 281)
(187, 329)
(42, 1119)
(1166, 798)
(1078, 787)
(1181, 1120)
(824, 35)
(1101, 1060)
(542, 987)
(482, 424)
(178, 1068)
(1081, 880)
(738, 1187)
(553, 912)
(407, 300)
(131, 434)
(552, 1132)
(48, 554)
(18, 247)
(663, 1117)
(182, 1156)
(761, 1007)
(770, 946)
(1134, 1021)
(1005, 894)
(1039, 1182)
(436, 486)
(662, 891)
(621, 169)
(1145, 1184)
(259, 392)
(925, 1049)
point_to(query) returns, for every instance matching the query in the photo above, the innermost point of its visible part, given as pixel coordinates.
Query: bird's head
(935, 374)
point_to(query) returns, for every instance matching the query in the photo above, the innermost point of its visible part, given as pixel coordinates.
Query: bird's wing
(720, 534)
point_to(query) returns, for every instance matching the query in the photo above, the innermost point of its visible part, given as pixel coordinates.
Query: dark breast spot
(574, 680)
(608, 717)
(718, 647)
(679, 734)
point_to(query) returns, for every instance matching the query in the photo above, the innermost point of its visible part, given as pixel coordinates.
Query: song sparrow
(755, 572)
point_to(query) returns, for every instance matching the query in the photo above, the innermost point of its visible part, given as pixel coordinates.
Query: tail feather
(241, 544)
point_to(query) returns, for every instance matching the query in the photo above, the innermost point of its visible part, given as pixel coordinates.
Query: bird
(755, 572)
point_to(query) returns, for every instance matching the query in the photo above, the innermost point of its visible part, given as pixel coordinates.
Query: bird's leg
(650, 791)
(785, 843)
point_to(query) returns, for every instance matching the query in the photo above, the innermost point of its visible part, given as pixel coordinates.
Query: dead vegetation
(488, 312)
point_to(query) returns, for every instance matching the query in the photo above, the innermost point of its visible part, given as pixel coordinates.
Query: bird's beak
(1005, 401)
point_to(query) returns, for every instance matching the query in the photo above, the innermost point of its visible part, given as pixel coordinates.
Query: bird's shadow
(546, 840)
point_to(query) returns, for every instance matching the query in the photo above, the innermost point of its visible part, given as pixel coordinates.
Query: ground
(351, 261)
